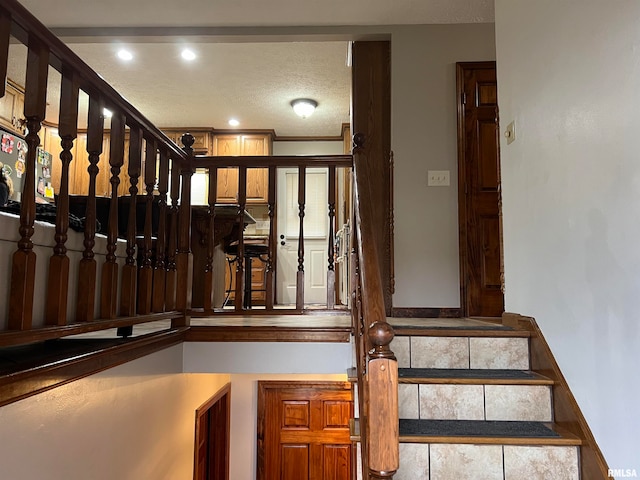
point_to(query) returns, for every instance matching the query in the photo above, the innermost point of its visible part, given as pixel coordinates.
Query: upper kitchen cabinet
(254, 144)
(201, 136)
(12, 109)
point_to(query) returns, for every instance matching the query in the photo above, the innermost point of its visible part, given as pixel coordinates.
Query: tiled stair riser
(421, 461)
(462, 352)
(475, 402)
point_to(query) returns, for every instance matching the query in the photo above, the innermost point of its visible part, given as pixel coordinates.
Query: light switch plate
(510, 133)
(438, 178)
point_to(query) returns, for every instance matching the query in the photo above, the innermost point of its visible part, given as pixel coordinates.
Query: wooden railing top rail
(373, 307)
(202, 161)
(25, 27)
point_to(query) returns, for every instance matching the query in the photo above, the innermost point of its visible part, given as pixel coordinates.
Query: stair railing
(149, 285)
(377, 367)
(205, 277)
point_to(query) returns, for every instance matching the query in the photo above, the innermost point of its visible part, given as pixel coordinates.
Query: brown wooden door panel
(303, 431)
(479, 190)
(337, 462)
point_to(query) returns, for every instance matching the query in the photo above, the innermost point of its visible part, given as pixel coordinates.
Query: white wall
(135, 421)
(424, 126)
(267, 357)
(568, 75)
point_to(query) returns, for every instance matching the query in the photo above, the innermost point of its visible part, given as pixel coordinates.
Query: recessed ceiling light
(107, 113)
(125, 55)
(233, 122)
(188, 54)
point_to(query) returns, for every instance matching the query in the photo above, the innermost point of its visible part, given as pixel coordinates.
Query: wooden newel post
(382, 429)
(184, 258)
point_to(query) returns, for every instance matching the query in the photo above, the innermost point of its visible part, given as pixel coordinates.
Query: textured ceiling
(253, 82)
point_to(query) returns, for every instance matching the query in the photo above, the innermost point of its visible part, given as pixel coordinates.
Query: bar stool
(251, 251)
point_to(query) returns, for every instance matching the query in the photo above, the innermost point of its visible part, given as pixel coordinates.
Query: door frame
(463, 219)
(201, 413)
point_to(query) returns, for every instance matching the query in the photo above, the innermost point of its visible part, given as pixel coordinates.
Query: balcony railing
(141, 267)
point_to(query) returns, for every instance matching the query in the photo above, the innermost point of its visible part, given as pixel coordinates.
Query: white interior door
(316, 227)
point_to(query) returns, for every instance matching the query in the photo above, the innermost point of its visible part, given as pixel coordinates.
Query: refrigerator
(13, 156)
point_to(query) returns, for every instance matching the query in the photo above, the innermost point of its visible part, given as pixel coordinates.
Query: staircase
(470, 408)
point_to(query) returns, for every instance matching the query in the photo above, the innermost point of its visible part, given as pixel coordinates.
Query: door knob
(282, 242)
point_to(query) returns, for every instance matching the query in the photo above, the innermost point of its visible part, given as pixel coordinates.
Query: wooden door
(212, 437)
(479, 190)
(303, 431)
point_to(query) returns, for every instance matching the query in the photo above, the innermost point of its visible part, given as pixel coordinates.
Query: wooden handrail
(376, 364)
(308, 161)
(25, 27)
(126, 294)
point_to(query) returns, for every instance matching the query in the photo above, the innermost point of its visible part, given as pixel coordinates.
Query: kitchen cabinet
(78, 175)
(12, 109)
(202, 138)
(256, 144)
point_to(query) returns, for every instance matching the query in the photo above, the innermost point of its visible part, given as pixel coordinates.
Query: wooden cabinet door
(227, 146)
(303, 431)
(257, 178)
(9, 108)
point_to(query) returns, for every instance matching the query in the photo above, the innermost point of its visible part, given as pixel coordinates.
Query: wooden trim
(257, 312)
(45, 377)
(11, 338)
(567, 413)
(470, 332)
(426, 312)
(261, 161)
(303, 138)
(268, 334)
(200, 412)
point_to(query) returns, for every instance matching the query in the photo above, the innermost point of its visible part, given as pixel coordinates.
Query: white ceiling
(253, 82)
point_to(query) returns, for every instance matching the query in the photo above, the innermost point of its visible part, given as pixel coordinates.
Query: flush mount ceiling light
(304, 107)
(233, 122)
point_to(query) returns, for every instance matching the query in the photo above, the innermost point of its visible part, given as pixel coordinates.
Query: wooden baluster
(392, 268)
(85, 307)
(159, 271)
(300, 275)
(271, 258)
(58, 280)
(170, 301)
(331, 274)
(129, 270)
(184, 258)
(23, 269)
(145, 273)
(109, 287)
(5, 39)
(209, 281)
(242, 203)
(382, 431)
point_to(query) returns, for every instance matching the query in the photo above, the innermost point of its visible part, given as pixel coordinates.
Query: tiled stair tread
(475, 428)
(484, 432)
(471, 376)
(477, 432)
(417, 331)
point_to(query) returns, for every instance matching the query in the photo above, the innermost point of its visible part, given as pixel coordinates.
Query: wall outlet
(438, 178)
